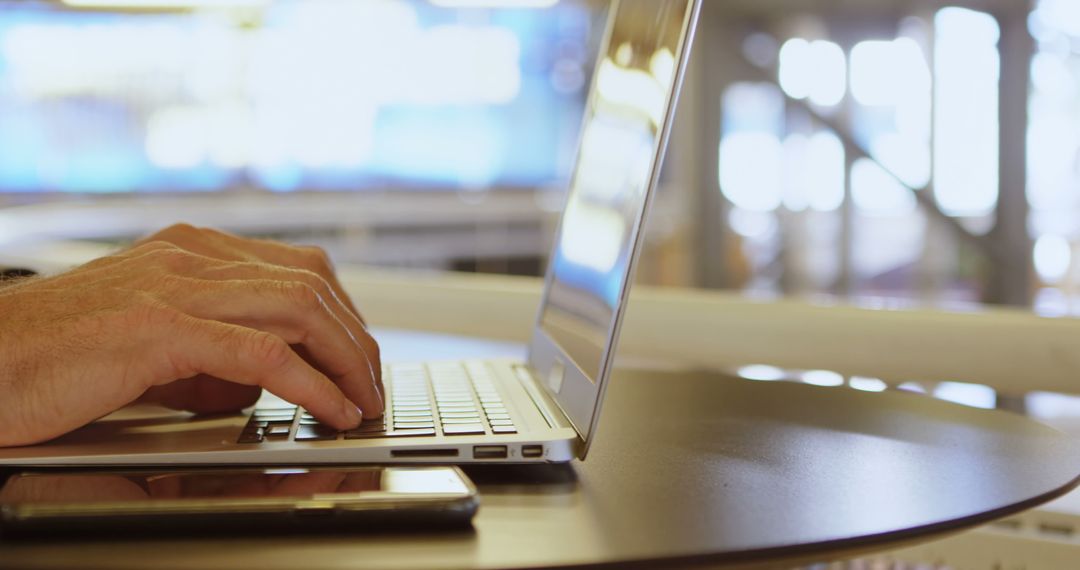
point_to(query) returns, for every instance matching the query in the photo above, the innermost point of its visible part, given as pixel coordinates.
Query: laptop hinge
(547, 406)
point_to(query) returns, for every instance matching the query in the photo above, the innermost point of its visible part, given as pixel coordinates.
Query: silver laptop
(542, 410)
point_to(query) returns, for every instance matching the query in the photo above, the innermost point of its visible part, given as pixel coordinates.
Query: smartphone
(237, 500)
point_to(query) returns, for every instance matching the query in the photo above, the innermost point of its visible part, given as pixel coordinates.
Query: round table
(688, 469)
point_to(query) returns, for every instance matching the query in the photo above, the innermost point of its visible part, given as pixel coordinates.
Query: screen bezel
(578, 395)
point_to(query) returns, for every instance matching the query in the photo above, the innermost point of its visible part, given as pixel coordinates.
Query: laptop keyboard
(447, 398)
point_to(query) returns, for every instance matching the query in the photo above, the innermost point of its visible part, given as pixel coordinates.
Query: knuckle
(314, 280)
(302, 295)
(154, 245)
(175, 233)
(371, 351)
(317, 258)
(374, 351)
(171, 282)
(267, 349)
(376, 361)
(150, 248)
(183, 229)
(147, 314)
(176, 259)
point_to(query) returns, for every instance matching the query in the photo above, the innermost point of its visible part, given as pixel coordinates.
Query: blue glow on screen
(605, 286)
(415, 96)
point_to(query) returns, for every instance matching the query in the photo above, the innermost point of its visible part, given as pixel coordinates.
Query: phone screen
(280, 483)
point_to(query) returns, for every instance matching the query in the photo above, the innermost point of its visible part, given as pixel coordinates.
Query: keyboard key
(252, 428)
(462, 398)
(278, 431)
(414, 425)
(403, 433)
(463, 429)
(289, 409)
(459, 406)
(315, 433)
(412, 433)
(412, 414)
(403, 404)
(503, 429)
(251, 437)
(368, 427)
(309, 422)
(460, 415)
(272, 417)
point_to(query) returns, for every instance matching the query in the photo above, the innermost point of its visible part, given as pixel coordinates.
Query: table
(691, 468)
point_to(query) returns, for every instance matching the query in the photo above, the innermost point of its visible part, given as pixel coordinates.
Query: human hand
(310, 263)
(163, 323)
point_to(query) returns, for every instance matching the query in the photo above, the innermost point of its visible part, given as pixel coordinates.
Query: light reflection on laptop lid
(624, 133)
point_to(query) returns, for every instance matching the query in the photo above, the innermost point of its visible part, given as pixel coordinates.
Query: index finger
(256, 358)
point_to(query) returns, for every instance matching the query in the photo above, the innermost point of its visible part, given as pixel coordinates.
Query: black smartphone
(200, 501)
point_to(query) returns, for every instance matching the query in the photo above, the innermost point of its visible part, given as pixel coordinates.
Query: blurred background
(916, 149)
(889, 152)
(886, 153)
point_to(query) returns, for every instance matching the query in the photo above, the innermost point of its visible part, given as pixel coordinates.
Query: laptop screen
(624, 121)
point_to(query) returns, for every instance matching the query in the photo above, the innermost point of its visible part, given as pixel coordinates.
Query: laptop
(542, 410)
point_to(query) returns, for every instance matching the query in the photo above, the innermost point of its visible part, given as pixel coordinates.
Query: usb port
(532, 451)
(489, 452)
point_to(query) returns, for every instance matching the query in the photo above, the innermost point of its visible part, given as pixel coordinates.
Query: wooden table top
(686, 469)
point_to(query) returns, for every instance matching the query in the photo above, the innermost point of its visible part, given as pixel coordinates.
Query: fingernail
(353, 413)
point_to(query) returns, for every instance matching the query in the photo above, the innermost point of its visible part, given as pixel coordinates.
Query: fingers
(296, 313)
(257, 271)
(254, 358)
(229, 247)
(196, 240)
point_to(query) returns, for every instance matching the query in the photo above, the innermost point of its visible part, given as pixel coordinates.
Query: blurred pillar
(1010, 275)
(710, 57)
(846, 278)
